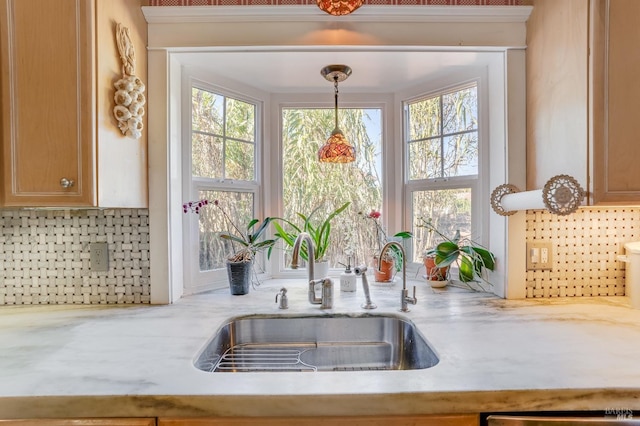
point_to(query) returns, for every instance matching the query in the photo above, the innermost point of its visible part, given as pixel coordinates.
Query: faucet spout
(404, 263)
(405, 299)
(302, 237)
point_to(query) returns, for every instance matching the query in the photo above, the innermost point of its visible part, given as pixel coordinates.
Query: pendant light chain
(335, 84)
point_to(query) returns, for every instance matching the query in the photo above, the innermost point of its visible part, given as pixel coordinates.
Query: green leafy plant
(319, 232)
(472, 259)
(250, 240)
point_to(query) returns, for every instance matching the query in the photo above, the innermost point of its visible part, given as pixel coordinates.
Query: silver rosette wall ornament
(129, 96)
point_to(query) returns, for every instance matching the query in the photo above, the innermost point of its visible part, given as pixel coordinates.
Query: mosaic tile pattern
(45, 257)
(584, 249)
(313, 2)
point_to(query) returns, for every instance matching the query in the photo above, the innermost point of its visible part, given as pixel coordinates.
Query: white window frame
(507, 126)
(382, 101)
(196, 281)
(479, 185)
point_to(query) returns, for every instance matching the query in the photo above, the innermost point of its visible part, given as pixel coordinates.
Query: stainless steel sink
(316, 343)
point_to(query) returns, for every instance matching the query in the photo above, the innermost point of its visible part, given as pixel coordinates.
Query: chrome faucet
(326, 299)
(405, 299)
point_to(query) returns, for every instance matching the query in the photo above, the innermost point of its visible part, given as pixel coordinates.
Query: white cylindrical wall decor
(561, 195)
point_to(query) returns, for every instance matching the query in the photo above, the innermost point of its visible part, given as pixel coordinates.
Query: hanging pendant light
(337, 149)
(339, 7)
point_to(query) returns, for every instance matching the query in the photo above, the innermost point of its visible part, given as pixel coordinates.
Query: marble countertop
(495, 355)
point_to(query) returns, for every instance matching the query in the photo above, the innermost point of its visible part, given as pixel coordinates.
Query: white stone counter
(495, 355)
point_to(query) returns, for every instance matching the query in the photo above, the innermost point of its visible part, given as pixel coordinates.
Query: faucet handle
(414, 299)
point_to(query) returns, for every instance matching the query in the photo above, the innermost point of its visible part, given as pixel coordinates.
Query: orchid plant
(382, 238)
(249, 238)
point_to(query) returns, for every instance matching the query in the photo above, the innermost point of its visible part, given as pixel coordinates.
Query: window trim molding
(166, 37)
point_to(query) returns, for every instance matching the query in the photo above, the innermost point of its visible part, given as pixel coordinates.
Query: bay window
(439, 139)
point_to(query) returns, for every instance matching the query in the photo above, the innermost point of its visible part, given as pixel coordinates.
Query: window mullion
(224, 138)
(441, 136)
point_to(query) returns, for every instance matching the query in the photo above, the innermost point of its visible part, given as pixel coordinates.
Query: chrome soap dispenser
(348, 278)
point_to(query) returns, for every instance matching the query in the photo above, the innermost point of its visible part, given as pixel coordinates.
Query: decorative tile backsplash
(45, 257)
(585, 245)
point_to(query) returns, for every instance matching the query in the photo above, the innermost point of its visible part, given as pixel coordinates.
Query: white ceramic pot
(320, 270)
(438, 283)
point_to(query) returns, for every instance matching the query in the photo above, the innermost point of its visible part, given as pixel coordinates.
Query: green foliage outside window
(309, 185)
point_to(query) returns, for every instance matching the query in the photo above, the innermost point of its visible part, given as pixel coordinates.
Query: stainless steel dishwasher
(565, 420)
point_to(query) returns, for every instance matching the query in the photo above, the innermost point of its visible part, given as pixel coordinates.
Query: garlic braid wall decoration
(129, 96)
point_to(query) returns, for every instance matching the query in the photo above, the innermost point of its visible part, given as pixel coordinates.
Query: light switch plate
(99, 257)
(539, 256)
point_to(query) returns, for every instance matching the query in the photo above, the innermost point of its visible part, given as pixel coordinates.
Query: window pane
(424, 119)
(309, 184)
(460, 111)
(455, 151)
(448, 209)
(206, 111)
(425, 159)
(239, 207)
(241, 117)
(240, 160)
(223, 137)
(206, 155)
(461, 155)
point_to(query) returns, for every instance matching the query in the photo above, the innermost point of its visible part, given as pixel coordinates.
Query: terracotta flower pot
(434, 274)
(386, 272)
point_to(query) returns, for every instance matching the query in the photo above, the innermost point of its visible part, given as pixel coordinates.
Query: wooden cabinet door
(435, 420)
(47, 102)
(81, 422)
(616, 152)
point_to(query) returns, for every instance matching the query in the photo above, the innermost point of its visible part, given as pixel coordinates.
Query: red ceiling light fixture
(339, 7)
(337, 149)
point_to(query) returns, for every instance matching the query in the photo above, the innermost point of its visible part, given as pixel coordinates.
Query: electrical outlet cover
(99, 254)
(539, 257)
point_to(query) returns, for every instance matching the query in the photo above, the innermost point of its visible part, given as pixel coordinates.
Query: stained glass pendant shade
(339, 7)
(337, 149)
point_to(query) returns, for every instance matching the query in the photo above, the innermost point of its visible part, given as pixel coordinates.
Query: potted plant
(472, 259)
(385, 268)
(436, 276)
(319, 231)
(240, 262)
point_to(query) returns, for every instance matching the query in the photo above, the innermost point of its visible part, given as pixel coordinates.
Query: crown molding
(307, 13)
